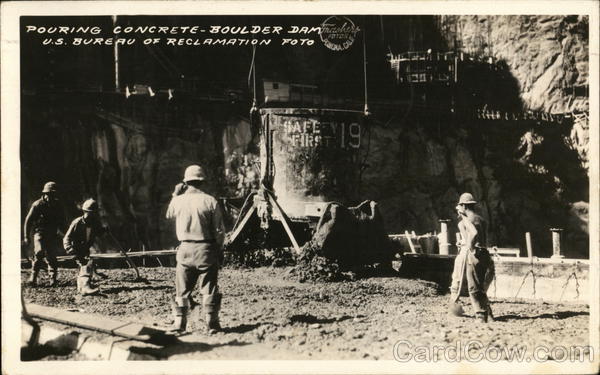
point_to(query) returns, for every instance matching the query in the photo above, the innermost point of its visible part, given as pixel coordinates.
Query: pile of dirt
(348, 242)
(313, 267)
(307, 266)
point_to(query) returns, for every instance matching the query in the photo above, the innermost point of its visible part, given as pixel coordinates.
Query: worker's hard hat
(89, 205)
(49, 187)
(194, 173)
(466, 198)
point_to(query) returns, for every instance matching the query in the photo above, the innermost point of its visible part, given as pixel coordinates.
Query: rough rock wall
(417, 177)
(528, 176)
(131, 173)
(547, 55)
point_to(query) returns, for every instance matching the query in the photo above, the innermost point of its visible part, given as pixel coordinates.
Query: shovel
(138, 277)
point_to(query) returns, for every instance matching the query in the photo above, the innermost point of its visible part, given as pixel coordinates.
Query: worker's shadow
(242, 328)
(557, 315)
(311, 319)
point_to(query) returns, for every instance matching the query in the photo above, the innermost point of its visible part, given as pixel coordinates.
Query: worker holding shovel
(78, 240)
(473, 262)
(199, 228)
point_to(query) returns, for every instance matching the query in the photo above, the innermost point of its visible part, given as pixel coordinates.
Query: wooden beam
(412, 247)
(238, 229)
(284, 221)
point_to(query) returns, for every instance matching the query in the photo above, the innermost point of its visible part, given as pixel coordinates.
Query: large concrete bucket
(312, 156)
(311, 161)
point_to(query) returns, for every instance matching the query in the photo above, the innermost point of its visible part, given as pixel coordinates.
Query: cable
(168, 60)
(166, 68)
(251, 65)
(365, 69)
(254, 73)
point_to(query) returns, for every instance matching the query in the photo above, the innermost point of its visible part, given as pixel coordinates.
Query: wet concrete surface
(268, 315)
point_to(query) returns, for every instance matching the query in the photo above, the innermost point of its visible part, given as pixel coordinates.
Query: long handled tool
(455, 307)
(138, 277)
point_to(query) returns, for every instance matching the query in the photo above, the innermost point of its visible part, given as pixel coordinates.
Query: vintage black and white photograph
(409, 188)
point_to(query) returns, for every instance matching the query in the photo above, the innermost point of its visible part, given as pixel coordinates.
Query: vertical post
(556, 254)
(455, 69)
(143, 255)
(412, 247)
(528, 243)
(116, 53)
(443, 237)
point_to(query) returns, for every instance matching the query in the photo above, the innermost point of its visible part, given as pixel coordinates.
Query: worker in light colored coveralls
(78, 240)
(45, 217)
(473, 265)
(199, 227)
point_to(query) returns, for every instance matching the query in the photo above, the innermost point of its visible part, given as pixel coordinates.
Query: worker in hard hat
(200, 230)
(78, 240)
(473, 265)
(45, 219)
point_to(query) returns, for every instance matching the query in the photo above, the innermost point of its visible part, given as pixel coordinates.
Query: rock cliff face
(548, 55)
(529, 176)
(129, 166)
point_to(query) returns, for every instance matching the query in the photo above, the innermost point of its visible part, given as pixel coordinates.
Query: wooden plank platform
(99, 323)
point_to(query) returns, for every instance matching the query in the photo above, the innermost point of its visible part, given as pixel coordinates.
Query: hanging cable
(159, 60)
(254, 123)
(251, 66)
(252, 73)
(254, 77)
(169, 62)
(366, 110)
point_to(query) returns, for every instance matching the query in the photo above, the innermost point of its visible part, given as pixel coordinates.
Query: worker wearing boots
(45, 218)
(78, 240)
(473, 262)
(199, 228)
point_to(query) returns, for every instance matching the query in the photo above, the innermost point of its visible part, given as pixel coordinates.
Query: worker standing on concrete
(45, 217)
(473, 262)
(199, 227)
(78, 240)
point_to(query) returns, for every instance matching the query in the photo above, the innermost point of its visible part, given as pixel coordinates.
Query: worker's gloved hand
(179, 189)
(71, 251)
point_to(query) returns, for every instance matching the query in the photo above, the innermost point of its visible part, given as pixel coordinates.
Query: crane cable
(252, 73)
(366, 109)
(366, 112)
